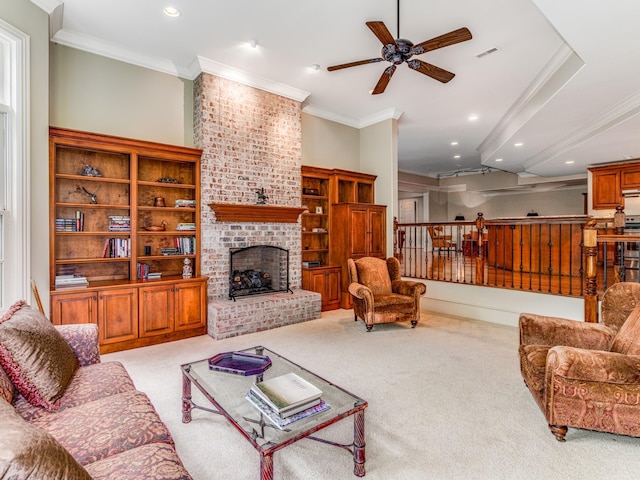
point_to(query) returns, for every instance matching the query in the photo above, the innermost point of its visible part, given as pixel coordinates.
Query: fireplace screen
(258, 270)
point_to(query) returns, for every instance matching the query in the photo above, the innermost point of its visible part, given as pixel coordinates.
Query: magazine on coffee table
(286, 393)
(282, 422)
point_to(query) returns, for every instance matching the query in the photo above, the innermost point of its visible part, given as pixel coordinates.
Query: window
(14, 165)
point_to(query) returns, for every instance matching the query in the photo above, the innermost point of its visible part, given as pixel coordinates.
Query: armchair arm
(83, 340)
(593, 366)
(361, 291)
(543, 330)
(407, 287)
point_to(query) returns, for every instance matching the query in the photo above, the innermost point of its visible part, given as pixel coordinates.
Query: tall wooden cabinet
(338, 224)
(358, 230)
(125, 215)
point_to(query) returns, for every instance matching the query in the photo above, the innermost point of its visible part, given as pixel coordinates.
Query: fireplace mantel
(228, 212)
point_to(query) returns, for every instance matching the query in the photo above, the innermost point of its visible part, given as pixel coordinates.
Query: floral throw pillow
(34, 355)
(29, 453)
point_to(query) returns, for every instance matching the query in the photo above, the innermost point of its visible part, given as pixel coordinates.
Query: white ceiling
(563, 81)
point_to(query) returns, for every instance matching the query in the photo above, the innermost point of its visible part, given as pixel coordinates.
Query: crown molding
(250, 79)
(47, 5)
(93, 45)
(389, 113)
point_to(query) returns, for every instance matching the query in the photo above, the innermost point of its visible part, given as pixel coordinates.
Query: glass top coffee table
(226, 393)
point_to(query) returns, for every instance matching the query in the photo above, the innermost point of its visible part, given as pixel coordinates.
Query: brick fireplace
(251, 140)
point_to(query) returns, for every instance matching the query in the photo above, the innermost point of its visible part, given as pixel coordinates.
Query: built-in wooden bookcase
(315, 219)
(120, 208)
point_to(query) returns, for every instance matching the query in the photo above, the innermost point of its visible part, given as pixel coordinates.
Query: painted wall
(25, 16)
(329, 144)
(97, 94)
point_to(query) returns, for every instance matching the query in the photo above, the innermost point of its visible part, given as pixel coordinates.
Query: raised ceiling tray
(228, 212)
(239, 363)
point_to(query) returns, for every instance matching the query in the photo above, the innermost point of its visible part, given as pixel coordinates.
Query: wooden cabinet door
(71, 308)
(157, 307)
(606, 189)
(117, 315)
(630, 177)
(332, 284)
(376, 233)
(359, 241)
(189, 305)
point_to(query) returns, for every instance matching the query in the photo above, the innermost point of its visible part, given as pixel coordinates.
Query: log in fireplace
(258, 270)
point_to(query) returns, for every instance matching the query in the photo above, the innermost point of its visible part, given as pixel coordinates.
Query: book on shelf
(286, 393)
(278, 420)
(70, 281)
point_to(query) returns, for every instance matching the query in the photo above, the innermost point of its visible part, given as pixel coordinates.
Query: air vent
(487, 52)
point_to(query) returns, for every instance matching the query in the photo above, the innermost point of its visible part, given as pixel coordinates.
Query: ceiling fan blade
(451, 38)
(354, 64)
(380, 30)
(432, 71)
(384, 80)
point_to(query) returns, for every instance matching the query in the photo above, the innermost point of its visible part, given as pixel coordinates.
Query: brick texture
(251, 140)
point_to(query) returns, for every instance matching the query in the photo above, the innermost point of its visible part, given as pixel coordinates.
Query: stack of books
(75, 224)
(70, 281)
(286, 399)
(186, 226)
(119, 223)
(181, 202)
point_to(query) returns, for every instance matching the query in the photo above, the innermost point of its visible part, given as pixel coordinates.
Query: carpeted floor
(446, 401)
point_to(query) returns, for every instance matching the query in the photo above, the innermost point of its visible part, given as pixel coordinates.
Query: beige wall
(25, 16)
(101, 95)
(329, 144)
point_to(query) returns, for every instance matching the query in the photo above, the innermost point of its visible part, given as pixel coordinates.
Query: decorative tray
(239, 363)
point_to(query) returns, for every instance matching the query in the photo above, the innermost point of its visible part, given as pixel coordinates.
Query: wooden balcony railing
(538, 254)
(573, 256)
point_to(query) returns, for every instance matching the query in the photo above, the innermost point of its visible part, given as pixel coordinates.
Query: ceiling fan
(400, 50)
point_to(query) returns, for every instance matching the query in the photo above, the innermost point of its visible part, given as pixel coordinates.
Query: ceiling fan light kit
(400, 50)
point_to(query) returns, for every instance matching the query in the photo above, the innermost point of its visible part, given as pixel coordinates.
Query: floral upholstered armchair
(586, 375)
(379, 293)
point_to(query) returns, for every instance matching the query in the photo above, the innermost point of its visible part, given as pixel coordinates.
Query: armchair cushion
(34, 355)
(373, 273)
(627, 340)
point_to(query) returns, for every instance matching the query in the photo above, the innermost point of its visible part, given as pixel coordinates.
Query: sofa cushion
(35, 356)
(88, 384)
(627, 340)
(28, 453)
(6, 387)
(155, 461)
(108, 426)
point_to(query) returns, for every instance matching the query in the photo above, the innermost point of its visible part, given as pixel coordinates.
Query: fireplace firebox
(258, 270)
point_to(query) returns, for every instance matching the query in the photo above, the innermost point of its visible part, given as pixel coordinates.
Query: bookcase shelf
(115, 188)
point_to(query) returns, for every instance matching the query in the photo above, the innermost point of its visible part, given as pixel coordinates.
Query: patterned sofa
(66, 415)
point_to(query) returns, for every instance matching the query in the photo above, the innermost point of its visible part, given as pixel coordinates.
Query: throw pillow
(627, 340)
(35, 356)
(29, 453)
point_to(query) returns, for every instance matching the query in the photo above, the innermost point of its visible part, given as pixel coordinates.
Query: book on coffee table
(280, 421)
(287, 394)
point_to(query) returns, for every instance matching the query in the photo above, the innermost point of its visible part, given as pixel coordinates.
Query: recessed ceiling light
(315, 67)
(570, 162)
(253, 43)
(171, 11)
(456, 156)
(498, 159)
(454, 143)
(519, 144)
(473, 117)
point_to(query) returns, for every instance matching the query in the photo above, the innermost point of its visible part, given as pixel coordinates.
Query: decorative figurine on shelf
(157, 228)
(187, 269)
(167, 180)
(89, 171)
(262, 198)
(92, 196)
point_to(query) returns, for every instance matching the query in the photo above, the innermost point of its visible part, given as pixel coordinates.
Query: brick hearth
(251, 139)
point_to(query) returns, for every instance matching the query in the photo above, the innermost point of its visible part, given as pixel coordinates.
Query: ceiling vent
(487, 52)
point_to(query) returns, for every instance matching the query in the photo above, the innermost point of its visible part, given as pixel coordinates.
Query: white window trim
(16, 276)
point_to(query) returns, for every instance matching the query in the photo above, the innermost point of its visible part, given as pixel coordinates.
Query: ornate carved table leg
(186, 399)
(358, 444)
(266, 467)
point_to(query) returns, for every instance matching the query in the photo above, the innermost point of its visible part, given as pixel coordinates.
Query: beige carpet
(446, 401)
